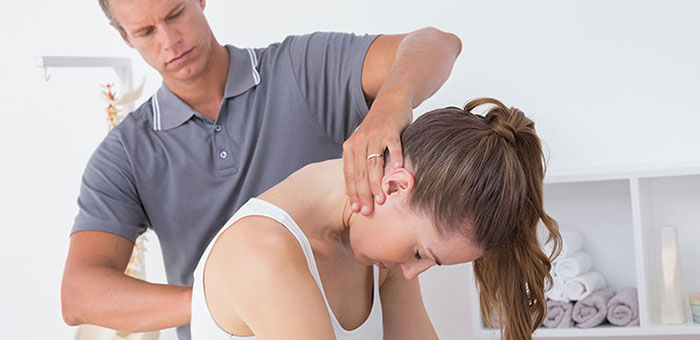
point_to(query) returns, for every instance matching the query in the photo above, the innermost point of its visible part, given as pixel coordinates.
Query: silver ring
(374, 155)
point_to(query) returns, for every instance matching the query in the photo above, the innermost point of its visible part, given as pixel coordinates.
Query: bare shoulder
(256, 244)
(257, 281)
(252, 251)
(256, 236)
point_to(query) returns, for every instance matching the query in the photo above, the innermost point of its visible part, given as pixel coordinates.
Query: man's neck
(205, 92)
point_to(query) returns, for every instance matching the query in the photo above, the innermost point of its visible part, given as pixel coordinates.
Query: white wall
(608, 83)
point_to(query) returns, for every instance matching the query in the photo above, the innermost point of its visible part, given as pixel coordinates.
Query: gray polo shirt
(170, 168)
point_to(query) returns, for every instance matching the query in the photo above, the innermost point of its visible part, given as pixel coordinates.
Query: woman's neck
(315, 198)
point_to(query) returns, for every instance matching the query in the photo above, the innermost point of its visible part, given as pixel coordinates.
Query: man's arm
(403, 310)
(96, 291)
(399, 73)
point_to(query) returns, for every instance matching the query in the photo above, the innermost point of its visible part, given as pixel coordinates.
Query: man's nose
(171, 38)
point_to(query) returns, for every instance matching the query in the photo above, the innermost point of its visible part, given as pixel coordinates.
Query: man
(227, 124)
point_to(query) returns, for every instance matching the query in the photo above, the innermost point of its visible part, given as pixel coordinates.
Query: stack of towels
(579, 295)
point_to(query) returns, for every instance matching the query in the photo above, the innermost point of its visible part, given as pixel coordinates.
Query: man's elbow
(70, 320)
(447, 38)
(70, 305)
(456, 41)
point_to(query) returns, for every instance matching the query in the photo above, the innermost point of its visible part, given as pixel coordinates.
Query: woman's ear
(397, 181)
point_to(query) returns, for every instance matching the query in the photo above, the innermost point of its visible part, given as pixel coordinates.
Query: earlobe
(202, 3)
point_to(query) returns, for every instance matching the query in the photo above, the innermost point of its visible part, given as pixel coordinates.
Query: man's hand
(400, 71)
(391, 112)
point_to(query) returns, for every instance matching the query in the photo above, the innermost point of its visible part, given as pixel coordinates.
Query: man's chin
(184, 74)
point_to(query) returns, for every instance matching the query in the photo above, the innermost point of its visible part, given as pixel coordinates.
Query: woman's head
(478, 179)
(397, 235)
(488, 170)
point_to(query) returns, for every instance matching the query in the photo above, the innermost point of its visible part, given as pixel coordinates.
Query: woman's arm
(402, 306)
(257, 277)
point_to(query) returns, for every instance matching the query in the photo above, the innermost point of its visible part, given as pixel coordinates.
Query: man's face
(172, 36)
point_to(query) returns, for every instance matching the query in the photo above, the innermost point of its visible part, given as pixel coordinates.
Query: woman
(297, 263)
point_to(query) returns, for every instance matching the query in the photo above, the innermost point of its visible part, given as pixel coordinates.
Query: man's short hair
(104, 4)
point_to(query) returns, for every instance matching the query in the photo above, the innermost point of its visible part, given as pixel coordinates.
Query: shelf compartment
(670, 201)
(602, 212)
(620, 213)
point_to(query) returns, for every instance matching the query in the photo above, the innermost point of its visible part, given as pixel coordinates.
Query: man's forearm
(423, 62)
(108, 298)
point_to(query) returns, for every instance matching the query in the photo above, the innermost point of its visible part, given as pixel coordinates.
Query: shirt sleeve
(328, 70)
(108, 199)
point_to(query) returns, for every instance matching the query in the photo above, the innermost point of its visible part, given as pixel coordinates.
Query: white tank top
(202, 324)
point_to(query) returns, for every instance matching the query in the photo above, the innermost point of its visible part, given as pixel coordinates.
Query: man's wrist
(187, 302)
(397, 100)
(396, 93)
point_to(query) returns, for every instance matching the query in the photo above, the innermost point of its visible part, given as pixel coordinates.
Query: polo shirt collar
(242, 71)
(169, 111)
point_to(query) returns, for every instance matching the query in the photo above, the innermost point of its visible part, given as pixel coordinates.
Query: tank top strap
(373, 324)
(267, 209)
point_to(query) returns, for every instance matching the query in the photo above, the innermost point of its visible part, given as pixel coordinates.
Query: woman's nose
(411, 270)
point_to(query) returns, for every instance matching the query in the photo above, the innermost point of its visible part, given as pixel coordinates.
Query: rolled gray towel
(623, 308)
(592, 310)
(558, 314)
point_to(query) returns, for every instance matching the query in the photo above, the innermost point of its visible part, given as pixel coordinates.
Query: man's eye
(175, 15)
(146, 32)
(418, 257)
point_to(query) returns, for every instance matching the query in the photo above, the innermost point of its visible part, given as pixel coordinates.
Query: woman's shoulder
(258, 238)
(255, 263)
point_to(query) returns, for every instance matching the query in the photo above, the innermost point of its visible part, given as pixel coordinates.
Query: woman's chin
(369, 262)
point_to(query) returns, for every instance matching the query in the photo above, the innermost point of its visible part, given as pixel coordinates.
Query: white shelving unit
(620, 213)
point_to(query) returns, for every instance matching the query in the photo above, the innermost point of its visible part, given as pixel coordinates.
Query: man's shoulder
(135, 128)
(296, 41)
(142, 114)
(140, 119)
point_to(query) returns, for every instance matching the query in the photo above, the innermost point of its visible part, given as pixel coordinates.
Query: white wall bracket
(121, 65)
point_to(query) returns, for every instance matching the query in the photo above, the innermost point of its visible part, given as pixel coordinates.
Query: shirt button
(223, 154)
(217, 128)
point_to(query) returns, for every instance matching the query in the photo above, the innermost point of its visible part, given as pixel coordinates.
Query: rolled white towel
(553, 270)
(557, 291)
(583, 285)
(572, 242)
(573, 266)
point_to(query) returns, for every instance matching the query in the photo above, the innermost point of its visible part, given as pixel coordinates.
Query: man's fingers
(375, 168)
(364, 193)
(395, 152)
(349, 171)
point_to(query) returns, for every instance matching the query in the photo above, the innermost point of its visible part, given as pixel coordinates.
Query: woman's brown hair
(481, 177)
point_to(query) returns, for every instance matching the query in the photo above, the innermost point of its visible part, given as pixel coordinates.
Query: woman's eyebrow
(437, 260)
